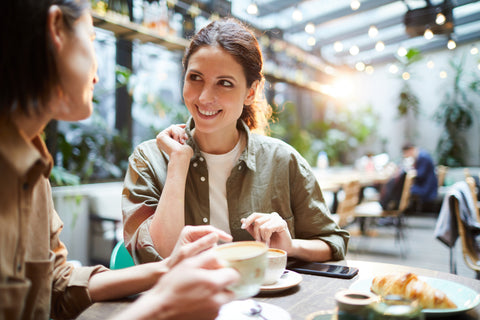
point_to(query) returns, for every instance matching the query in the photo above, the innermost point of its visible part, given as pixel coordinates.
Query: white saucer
(287, 280)
(239, 310)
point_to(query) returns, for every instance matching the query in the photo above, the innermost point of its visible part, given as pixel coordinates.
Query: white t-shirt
(219, 168)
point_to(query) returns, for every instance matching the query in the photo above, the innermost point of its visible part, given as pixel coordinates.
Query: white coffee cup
(249, 258)
(277, 261)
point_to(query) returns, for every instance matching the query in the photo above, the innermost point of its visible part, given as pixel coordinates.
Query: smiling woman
(218, 170)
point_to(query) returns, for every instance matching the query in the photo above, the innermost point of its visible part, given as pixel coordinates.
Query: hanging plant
(408, 100)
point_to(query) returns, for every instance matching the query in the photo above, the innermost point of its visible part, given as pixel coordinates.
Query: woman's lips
(208, 113)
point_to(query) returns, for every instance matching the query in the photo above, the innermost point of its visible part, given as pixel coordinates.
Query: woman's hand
(172, 141)
(195, 239)
(269, 228)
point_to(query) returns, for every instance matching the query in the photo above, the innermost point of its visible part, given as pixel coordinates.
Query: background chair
(441, 172)
(345, 213)
(120, 257)
(373, 211)
(470, 255)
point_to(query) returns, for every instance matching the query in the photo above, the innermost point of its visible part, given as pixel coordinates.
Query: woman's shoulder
(269, 144)
(146, 149)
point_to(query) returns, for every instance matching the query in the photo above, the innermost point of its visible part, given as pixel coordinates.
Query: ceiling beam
(340, 13)
(428, 47)
(275, 6)
(361, 30)
(474, 17)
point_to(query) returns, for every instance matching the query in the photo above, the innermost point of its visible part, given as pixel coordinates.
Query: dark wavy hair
(236, 39)
(27, 60)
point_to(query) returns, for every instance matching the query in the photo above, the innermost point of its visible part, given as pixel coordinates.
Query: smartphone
(323, 269)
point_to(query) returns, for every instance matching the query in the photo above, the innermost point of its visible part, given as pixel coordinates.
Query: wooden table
(316, 293)
(332, 179)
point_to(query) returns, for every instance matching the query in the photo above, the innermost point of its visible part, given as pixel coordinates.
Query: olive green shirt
(270, 176)
(36, 281)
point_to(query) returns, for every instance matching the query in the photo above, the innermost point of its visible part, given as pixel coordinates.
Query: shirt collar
(29, 159)
(248, 155)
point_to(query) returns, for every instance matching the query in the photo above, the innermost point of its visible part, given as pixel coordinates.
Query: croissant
(409, 286)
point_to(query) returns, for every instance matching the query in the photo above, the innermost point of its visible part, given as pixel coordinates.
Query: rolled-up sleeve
(70, 294)
(312, 217)
(142, 188)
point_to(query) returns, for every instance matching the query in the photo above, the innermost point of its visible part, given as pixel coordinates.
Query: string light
(252, 9)
(338, 46)
(443, 74)
(360, 66)
(372, 31)
(440, 19)
(428, 34)
(355, 4)
(379, 46)
(430, 64)
(405, 76)
(369, 69)
(393, 68)
(310, 28)
(474, 50)
(311, 41)
(402, 52)
(297, 14)
(451, 44)
(354, 50)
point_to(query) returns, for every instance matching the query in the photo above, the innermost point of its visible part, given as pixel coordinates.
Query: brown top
(36, 281)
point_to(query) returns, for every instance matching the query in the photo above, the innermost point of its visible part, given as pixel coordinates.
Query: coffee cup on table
(277, 261)
(249, 258)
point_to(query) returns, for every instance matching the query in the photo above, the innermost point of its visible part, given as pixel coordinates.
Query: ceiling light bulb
(402, 52)
(252, 9)
(428, 34)
(393, 68)
(354, 50)
(379, 46)
(451, 44)
(440, 19)
(310, 28)
(297, 15)
(354, 4)
(338, 46)
(443, 74)
(372, 31)
(430, 64)
(405, 76)
(311, 41)
(360, 66)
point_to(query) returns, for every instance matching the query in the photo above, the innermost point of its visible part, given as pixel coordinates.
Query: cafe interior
(350, 82)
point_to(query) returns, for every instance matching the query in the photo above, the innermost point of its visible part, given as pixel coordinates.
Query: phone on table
(323, 269)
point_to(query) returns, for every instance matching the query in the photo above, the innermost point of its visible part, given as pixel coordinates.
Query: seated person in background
(49, 70)
(425, 187)
(217, 169)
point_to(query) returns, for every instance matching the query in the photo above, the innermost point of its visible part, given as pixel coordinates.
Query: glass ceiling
(339, 30)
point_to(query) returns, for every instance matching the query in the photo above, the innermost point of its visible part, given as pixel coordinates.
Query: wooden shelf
(132, 31)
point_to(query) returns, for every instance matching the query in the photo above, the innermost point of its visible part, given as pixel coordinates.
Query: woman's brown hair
(236, 39)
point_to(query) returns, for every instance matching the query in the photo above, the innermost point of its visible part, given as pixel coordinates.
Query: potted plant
(456, 114)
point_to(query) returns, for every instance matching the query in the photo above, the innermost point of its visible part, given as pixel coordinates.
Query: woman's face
(215, 90)
(77, 65)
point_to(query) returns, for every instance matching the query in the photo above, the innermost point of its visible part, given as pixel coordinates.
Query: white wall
(381, 89)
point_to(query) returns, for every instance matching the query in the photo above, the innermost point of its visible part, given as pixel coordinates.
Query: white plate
(239, 310)
(287, 280)
(464, 297)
